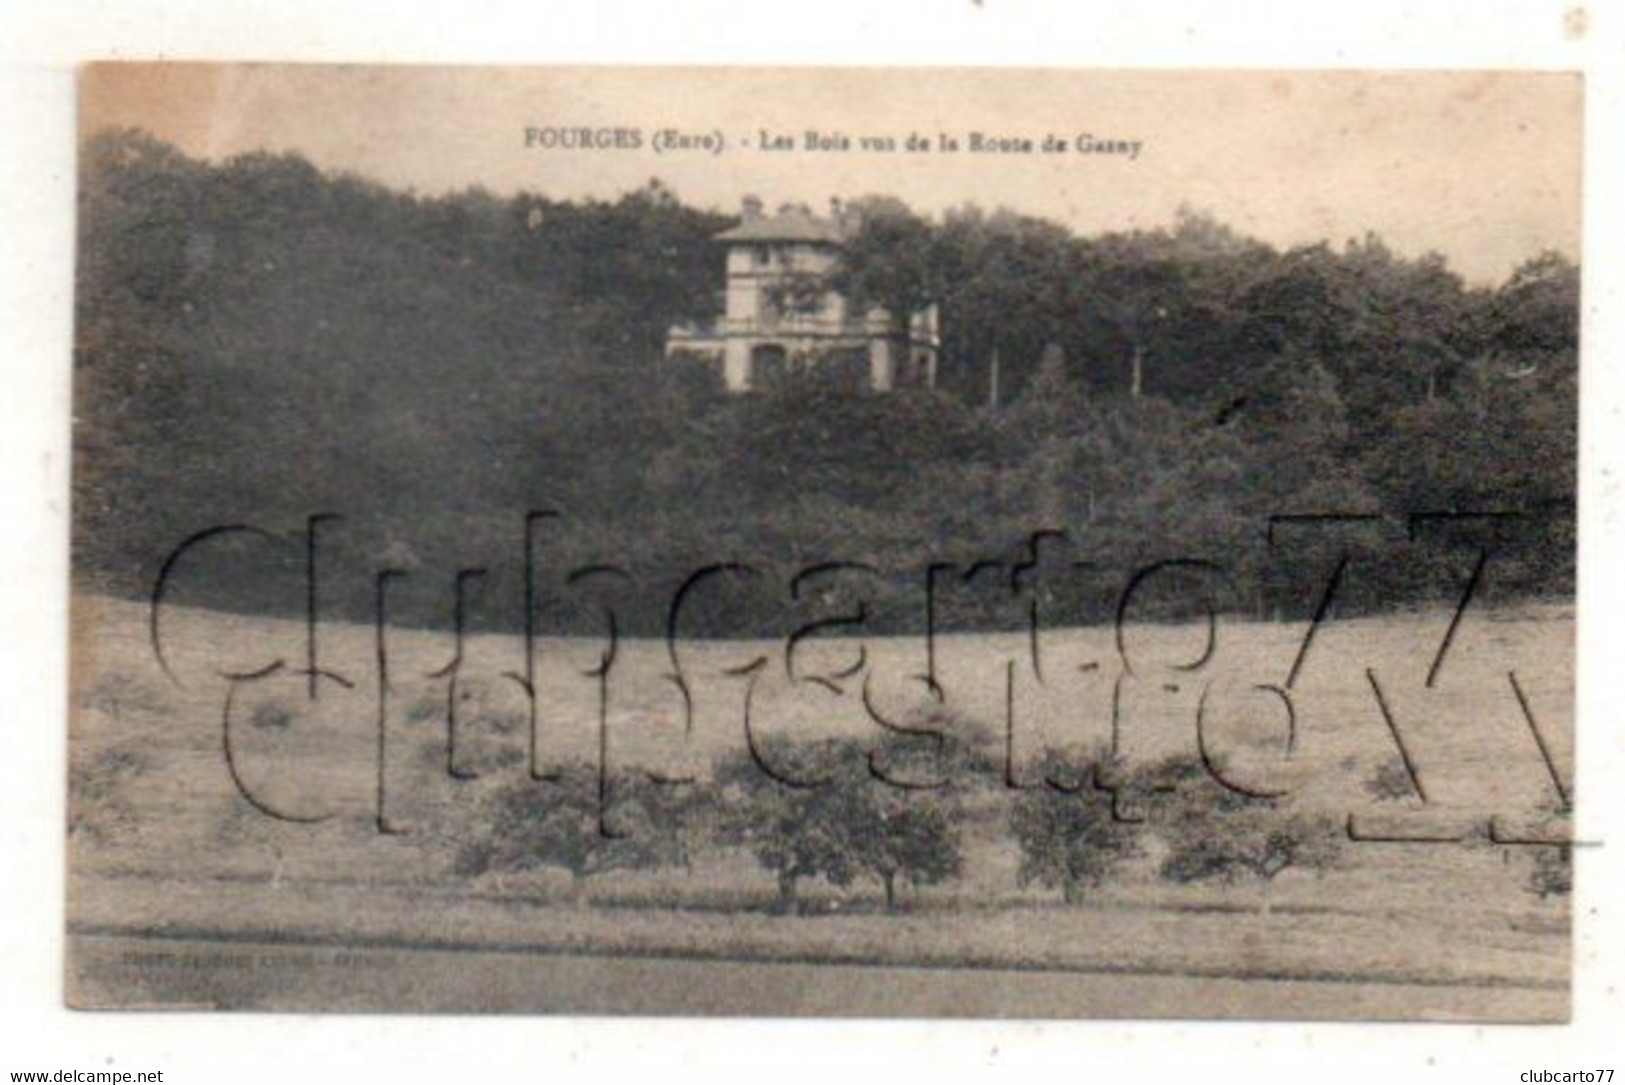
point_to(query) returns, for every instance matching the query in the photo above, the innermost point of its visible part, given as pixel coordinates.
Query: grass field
(181, 893)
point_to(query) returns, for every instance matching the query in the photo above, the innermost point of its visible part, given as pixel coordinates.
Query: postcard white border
(45, 39)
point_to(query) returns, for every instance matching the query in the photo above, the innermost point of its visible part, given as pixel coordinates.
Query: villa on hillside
(779, 316)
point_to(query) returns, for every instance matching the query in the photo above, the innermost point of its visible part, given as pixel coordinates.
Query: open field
(181, 893)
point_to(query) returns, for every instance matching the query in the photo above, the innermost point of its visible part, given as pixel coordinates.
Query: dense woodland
(259, 342)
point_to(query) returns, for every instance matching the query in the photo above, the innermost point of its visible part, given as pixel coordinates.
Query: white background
(40, 43)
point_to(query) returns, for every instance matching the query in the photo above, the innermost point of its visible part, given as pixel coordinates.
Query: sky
(1483, 167)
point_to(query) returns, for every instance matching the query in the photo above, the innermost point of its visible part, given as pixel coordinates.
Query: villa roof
(794, 224)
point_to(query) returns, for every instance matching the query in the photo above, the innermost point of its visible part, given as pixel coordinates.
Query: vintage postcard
(928, 542)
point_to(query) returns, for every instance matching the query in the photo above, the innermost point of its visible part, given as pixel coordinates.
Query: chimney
(750, 208)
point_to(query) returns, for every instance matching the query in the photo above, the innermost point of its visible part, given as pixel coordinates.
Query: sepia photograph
(813, 541)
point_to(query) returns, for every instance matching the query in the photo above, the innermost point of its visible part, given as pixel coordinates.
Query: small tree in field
(1391, 782)
(530, 824)
(1215, 833)
(844, 824)
(1069, 839)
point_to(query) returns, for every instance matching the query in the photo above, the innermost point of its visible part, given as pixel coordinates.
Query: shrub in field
(1216, 833)
(1069, 837)
(118, 694)
(426, 709)
(566, 824)
(1391, 782)
(910, 836)
(1553, 872)
(814, 810)
(682, 817)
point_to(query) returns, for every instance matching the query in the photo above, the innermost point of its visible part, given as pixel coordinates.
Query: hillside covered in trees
(258, 342)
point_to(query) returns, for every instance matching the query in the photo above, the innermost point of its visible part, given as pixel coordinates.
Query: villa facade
(780, 316)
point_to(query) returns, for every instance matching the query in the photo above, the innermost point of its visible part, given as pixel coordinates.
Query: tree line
(258, 341)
